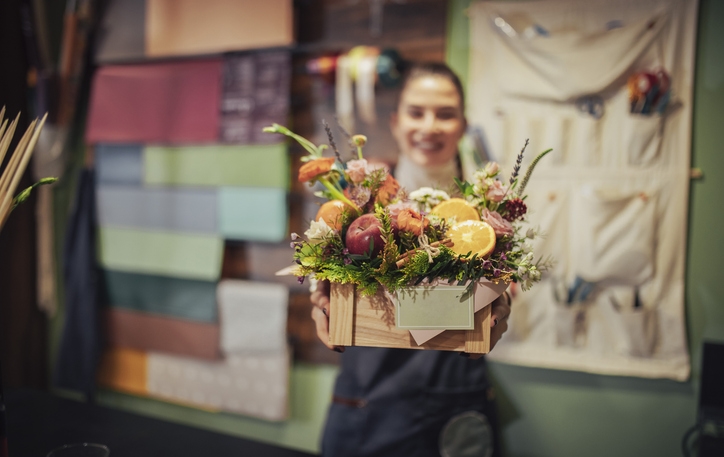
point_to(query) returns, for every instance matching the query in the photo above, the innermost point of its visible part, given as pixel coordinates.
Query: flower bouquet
(379, 244)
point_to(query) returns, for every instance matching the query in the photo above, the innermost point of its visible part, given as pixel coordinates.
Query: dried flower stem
(331, 140)
(530, 171)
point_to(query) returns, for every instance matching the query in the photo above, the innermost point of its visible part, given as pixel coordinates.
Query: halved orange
(477, 237)
(456, 210)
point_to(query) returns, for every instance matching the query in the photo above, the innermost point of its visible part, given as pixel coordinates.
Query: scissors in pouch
(592, 105)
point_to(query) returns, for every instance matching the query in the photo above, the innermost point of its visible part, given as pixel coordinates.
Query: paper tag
(485, 292)
(435, 308)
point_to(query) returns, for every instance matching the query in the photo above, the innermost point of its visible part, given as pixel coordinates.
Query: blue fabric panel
(182, 298)
(119, 163)
(167, 208)
(253, 214)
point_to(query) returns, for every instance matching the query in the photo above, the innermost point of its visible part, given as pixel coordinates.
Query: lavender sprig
(331, 140)
(346, 134)
(518, 161)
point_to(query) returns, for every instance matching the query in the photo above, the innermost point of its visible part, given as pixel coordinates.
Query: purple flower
(347, 260)
(295, 236)
(487, 265)
(496, 272)
(300, 279)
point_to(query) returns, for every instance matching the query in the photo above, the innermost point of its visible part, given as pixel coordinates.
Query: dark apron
(397, 402)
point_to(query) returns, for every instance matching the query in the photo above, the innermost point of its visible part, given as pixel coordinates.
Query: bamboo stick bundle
(17, 163)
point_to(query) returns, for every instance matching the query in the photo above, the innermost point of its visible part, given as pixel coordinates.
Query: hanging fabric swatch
(168, 103)
(190, 27)
(217, 165)
(150, 332)
(268, 207)
(251, 384)
(252, 316)
(163, 253)
(118, 163)
(176, 209)
(162, 295)
(124, 369)
(123, 32)
(255, 94)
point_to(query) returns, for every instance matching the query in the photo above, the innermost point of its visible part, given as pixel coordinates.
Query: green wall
(550, 413)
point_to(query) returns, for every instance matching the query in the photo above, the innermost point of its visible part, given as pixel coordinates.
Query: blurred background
(144, 279)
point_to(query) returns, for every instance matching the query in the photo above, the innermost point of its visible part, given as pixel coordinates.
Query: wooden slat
(477, 341)
(373, 324)
(341, 314)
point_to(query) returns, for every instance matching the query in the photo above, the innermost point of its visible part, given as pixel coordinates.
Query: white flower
(522, 271)
(318, 231)
(427, 197)
(526, 248)
(530, 233)
(421, 194)
(534, 274)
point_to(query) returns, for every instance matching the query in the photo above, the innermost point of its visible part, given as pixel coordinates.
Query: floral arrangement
(370, 232)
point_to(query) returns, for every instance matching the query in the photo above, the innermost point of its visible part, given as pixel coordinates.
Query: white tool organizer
(612, 197)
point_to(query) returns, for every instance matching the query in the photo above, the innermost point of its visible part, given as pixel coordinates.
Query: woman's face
(429, 121)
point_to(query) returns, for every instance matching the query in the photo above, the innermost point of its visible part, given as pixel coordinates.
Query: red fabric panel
(166, 103)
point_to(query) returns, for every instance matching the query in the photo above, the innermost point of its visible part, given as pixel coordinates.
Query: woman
(397, 402)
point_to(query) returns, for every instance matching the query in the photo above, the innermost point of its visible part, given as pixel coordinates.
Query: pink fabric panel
(168, 103)
(149, 332)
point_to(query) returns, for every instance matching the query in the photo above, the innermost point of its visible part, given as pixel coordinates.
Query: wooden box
(358, 320)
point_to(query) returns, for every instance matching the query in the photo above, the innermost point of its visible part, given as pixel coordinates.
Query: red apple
(363, 229)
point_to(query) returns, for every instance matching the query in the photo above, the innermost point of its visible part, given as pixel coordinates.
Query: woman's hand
(499, 318)
(320, 313)
(498, 321)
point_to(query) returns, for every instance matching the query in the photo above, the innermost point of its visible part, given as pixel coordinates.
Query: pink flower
(500, 225)
(395, 208)
(357, 170)
(492, 168)
(495, 192)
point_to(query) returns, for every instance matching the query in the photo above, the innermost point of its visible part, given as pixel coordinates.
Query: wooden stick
(14, 161)
(446, 242)
(8, 137)
(21, 164)
(404, 258)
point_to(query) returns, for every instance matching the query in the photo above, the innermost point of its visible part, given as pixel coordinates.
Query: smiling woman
(428, 125)
(390, 401)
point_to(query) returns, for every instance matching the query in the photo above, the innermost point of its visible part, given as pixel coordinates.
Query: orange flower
(411, 221)
(314, 168)
(387, 190)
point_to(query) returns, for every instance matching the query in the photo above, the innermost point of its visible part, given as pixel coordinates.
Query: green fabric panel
(218, 165)
(253, 214)
(173, 297)
(162, 253)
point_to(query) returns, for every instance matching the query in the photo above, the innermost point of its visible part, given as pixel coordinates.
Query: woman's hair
(417, 70)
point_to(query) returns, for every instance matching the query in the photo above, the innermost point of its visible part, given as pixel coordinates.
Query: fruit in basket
(477, 237)
(455, 210)
(332, 212)
(362, 232)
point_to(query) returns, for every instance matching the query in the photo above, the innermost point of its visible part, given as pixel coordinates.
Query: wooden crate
(357, 320)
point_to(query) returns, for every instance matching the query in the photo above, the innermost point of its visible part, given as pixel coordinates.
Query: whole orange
(331, 212)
